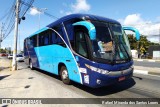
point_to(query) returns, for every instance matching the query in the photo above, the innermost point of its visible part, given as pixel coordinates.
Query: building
(154, 52)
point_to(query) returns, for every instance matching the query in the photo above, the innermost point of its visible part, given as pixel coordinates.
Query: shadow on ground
(2, 77)
(22, 68)
(107, 90)
(2, 68)
(103, 91)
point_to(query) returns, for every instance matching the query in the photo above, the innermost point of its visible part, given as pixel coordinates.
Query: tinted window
(30, 43)
(55, 38)
(41, 38)
(44, 38)
(34, 40)
(81, 45)
(102, 45)
(59, 30)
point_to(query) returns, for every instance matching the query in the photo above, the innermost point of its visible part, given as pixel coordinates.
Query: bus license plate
(121, 78)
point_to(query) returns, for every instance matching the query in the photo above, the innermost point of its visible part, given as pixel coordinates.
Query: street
(26, 83)
(147, 64)
(136, 87)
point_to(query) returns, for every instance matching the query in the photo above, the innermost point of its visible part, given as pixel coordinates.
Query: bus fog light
(98, 81)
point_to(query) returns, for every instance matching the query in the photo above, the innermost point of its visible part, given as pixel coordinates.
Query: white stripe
(141, 72)
(151, 61)
(70, 52)
(140, 60)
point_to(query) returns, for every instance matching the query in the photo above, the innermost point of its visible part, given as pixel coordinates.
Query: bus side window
(25, 47)
(34, 38)
(53, 37)
(46, 39)
(30, 43)
(41, 38)
(70, 32)
(59, 30)
(81, 45)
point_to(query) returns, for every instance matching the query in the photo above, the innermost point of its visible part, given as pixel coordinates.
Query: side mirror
(137, 33)
(89, 26)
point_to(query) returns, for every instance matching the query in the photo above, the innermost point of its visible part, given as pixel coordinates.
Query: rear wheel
(30, 65)
(64, 75)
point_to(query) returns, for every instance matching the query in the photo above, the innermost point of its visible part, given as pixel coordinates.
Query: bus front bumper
(112, 77)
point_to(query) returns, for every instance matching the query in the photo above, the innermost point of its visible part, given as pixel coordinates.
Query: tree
(2, 51)
(133, 42)
(5, 50)
(142, 45)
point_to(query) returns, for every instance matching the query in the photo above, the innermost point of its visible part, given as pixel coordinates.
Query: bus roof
(82, 16)
(76, 16)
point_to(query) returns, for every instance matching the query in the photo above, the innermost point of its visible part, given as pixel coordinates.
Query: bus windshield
(122, 47)
(111, 42)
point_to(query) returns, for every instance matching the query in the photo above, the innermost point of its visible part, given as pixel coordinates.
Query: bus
(87, 49)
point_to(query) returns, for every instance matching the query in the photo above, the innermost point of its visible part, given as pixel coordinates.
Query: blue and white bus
(88, 49)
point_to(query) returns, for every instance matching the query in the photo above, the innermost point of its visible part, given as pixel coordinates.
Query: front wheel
(64, 75)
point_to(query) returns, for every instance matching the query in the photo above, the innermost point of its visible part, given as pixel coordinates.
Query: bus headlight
(97, 69)
(104, 71)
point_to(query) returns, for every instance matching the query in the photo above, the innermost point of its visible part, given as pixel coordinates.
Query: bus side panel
(35, 59)
(26, 56)
(88, 77)
(50, 56)
(44, 56)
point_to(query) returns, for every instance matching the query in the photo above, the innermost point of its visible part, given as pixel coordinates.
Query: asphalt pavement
(26, 83)
(146, 63)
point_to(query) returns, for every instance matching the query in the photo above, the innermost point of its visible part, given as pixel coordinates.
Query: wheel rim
(64, 74)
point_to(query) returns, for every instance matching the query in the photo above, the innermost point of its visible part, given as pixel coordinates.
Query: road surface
(26, 83)
(147, 64)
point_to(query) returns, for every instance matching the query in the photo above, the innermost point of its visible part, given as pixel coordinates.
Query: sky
(142, 14)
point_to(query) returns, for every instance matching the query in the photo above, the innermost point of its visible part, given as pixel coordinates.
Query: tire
(31, 65)
(64, 75)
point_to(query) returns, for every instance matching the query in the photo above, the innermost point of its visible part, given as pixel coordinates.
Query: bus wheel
(64, 75)
(30, 65)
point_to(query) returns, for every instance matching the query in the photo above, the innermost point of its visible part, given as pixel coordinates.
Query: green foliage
(2, 51)
(5, 51)
(142, 45)
(133, 42)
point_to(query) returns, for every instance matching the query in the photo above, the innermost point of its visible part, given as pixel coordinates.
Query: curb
(140, 72)
(143, 72)
(147, 60)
